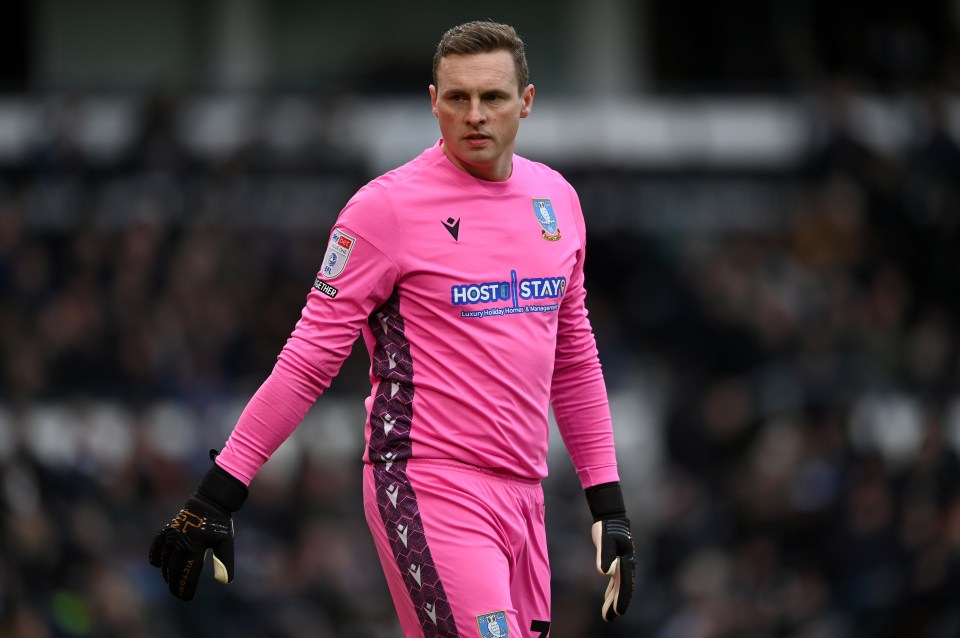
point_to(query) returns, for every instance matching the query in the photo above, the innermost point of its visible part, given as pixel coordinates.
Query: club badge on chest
(543, 209)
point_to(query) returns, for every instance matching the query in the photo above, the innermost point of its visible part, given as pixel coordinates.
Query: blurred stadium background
(772, 191)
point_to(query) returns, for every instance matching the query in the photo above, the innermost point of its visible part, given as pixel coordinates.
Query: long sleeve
(344, 295)
(578, 392)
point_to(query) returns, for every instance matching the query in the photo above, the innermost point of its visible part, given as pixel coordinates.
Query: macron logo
(388, 458)
(392, 492)
(388, 422)
(452, 226)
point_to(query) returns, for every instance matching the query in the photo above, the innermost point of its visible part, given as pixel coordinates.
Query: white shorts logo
(338, 251)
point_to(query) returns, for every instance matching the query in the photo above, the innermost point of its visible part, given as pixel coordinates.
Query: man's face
(479, 107)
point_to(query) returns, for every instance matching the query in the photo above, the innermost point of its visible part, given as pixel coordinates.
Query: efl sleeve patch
(338, 252)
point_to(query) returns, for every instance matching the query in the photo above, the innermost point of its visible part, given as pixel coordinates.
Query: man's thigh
(464, 553)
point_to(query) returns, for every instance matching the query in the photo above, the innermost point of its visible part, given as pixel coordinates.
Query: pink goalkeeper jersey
(470, 298)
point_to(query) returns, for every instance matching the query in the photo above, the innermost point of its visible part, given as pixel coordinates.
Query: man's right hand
(204, 523)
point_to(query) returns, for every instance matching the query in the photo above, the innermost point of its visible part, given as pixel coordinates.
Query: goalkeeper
(463, 271)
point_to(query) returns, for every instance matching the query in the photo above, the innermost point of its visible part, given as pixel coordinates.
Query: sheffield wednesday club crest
(543, 209)
(493, 625)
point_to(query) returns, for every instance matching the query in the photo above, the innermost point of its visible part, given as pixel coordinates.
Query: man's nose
(476, 115)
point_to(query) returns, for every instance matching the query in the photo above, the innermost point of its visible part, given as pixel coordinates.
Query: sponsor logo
(493, 625)
(453, 227)
(507, 297)
(325, 288)
(338, 252)
(543, 209)
(487, 292)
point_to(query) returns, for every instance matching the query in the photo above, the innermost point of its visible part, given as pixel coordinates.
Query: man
(463, 270)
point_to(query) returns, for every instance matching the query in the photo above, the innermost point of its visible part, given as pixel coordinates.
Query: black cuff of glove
(605, 501)
(221, 489)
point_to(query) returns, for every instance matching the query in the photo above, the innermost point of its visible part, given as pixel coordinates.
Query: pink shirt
(470, 298)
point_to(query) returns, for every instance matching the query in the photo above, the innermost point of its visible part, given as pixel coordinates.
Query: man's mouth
(476, 139)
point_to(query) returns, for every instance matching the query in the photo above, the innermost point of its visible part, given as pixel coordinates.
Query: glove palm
(616, 554)
(617, 559)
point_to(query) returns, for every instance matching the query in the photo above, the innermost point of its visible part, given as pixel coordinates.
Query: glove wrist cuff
(222, 489)
(605, 501)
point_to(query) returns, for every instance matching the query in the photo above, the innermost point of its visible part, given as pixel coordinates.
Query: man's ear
(527, 97)
(433, 100)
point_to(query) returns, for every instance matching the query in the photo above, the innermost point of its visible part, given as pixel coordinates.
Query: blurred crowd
(786, 395)
(810, 479)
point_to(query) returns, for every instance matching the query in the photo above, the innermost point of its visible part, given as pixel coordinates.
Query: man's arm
(312, 356)
(347, 290)
(578, 393)
(582, 410)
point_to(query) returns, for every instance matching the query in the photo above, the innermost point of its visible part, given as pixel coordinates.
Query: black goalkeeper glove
(616, 554)
(204, 523)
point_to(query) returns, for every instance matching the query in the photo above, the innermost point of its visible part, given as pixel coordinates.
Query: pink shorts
(464, 551)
